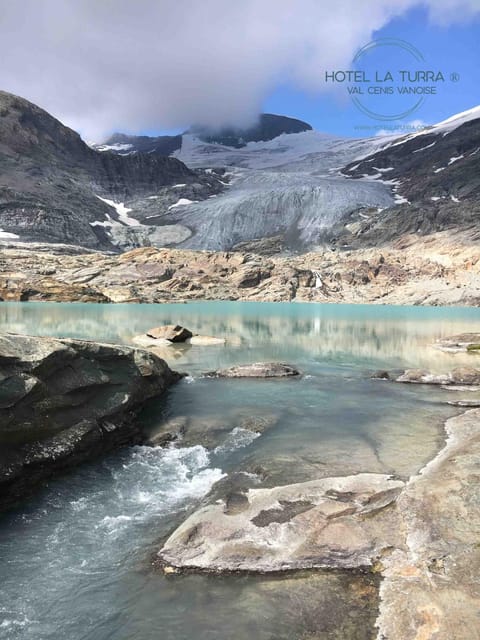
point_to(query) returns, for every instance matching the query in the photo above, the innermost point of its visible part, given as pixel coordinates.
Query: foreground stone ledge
(422, 536)
(431, 587)
(256, 370)
(328, 523)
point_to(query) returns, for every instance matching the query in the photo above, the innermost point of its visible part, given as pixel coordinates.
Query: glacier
(289, 186)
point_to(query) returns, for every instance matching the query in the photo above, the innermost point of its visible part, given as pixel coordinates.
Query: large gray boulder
(64, 401)
(170, 332)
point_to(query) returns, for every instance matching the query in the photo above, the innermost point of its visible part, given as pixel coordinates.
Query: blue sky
(157, 66)
(446, 48)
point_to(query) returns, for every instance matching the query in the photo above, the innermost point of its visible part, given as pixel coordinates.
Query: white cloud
(100, 65)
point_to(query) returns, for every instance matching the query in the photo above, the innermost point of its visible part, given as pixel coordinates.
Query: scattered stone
(458, 376)
(170, 332)
(407, 272)
(381, 375)
(460, 342)
(256, 370)
(169, 570)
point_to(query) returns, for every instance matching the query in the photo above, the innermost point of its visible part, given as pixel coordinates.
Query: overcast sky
(136, 65)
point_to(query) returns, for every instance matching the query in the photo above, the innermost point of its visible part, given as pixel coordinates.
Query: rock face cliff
(50, 180)
(63, 402)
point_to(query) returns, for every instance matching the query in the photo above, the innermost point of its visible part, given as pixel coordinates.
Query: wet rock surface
(431, 589)
(210, 431)
(65, 401)
(257, 370)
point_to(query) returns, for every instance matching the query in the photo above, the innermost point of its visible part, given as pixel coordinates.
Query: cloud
(101, 65)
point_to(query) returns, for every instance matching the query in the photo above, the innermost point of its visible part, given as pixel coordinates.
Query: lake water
(75, 561)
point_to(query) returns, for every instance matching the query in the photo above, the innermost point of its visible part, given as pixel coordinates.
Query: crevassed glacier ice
(289, 186)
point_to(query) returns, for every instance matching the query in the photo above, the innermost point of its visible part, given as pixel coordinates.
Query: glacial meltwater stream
(75, 560)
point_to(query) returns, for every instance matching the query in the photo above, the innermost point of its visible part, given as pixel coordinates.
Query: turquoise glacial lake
(75, 560)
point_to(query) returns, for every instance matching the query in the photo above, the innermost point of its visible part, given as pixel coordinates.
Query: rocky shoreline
(64, 401)
(438, 269)
(420, 536)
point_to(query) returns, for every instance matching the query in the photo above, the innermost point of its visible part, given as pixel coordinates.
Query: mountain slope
(50, 179)
(436, 177)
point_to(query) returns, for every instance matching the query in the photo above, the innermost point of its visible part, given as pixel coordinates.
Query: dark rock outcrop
(124, 144)
(51, 180)
(437, 176)
(66, 401)
(268, 127)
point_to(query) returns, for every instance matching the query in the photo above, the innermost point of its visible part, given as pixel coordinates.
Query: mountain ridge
(304, 189)
(268, 127)
(50, 179)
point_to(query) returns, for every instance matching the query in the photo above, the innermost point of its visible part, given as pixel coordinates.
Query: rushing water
(75, 560)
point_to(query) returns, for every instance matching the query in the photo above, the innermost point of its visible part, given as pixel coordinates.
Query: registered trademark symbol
(454, 77)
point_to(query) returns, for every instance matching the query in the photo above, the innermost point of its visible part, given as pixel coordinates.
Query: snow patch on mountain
(122, 212)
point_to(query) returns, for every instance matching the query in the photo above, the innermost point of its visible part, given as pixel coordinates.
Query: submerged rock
(256, 370)
(65, 401)
(211, 431)
(170, 332)
(380, 375)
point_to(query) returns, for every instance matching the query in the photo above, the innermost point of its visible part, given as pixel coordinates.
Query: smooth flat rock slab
(329, 523)
(431, 588)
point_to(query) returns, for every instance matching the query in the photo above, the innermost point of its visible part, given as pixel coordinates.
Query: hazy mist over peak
(165, 64)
